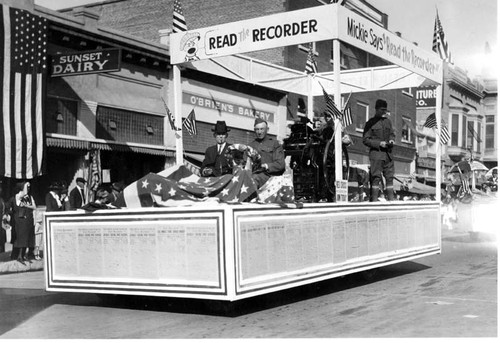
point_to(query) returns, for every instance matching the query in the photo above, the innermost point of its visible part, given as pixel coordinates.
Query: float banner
(226, 107)
(376, 40)
(281, 29)
(86, 62)
(425, 97)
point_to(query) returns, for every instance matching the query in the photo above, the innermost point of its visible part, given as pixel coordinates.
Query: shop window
(464, 132)
(61, 116)
(490, 132)
(454, 129)
(362, 115)
(406, 130)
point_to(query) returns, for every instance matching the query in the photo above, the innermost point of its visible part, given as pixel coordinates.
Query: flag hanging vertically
(475, 135)
(190, 123)
(442, 130)
(170, 115)
(179, 22)
(346, 116)
(23, 71)
(331, 109)
(439, 43)
(311, 66)
(95, 173)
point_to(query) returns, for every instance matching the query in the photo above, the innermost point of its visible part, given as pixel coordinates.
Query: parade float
(230, 250)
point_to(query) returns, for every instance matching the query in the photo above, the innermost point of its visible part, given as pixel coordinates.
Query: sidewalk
(8, 266)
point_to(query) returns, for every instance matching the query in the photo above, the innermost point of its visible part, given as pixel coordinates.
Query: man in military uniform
(379, 136)
(271, 152)
(215, 162)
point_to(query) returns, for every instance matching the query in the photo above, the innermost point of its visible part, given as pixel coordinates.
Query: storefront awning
(67, 143)
(131, 148)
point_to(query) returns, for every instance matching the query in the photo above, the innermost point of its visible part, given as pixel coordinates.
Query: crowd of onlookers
(22, 220)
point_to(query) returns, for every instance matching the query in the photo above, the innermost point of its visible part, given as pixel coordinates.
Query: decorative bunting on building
(179, 22)
(439, 43)
(23, 71)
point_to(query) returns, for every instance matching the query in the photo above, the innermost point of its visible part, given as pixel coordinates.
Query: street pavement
(453, 294)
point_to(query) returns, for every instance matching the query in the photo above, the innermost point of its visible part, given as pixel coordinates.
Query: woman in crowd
(22, 215)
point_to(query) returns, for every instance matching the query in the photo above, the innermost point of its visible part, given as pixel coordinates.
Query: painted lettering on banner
(281, 29)
(226, 107)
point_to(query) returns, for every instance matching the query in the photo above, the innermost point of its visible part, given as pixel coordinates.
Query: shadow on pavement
(262, 302)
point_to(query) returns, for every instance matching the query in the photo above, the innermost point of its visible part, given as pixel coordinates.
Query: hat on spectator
(380, 104)
(54, 186)
(117, 186)
(81, 179)
(259, 120)
(220, 128)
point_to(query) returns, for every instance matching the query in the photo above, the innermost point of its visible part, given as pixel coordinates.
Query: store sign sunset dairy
(282, 29)
(86, 62)
(366, 35)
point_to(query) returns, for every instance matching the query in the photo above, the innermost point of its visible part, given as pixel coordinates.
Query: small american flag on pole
(347, 117)
(190, 123)
(171, 117)
(179, 22)
(23, 71)
(331, 109)
(311, 66)
(442, 130)
(439, 43)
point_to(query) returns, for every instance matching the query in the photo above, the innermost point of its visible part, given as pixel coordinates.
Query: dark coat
(75, 199)
(378, 129)
(51, 203)
(219, 163)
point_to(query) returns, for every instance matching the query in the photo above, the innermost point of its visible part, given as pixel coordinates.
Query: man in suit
(77, 194)
(215, 162)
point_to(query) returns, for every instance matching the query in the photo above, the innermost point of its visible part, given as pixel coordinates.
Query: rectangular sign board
(376, 40)
(86, 62)
(281, 29)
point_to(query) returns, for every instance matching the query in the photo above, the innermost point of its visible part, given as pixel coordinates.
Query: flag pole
(179, 148)
(439, 104)
(336, 92)
(310, 98)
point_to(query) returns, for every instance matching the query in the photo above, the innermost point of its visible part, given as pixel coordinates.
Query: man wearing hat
(379, 136)
(77, 194)
(271, 152)
(52, 198)
(215, 162)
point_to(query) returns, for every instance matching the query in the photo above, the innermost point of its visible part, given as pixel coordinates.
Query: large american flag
(442, 130)
(179, 22)
(23, 71)
(439, 43)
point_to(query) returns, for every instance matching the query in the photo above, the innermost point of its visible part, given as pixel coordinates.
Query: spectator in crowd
(77, 194)
(4, 227)
(271, 151)
(23, 206)
(64, 197)
(52, 199)
(101, 201)
(116, 190)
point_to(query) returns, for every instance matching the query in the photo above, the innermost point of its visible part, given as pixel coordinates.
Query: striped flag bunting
(190, 123)
(23, 71)
(171, 117)
(179, 22)
(311, 65)
(475, 135)
(442, 130)
(439, 43)
(95, 173)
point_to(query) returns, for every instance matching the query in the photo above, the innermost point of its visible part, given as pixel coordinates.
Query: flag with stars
(179, 22)
(178, 183)
(23, 71)
(278, 189)
(311, 66)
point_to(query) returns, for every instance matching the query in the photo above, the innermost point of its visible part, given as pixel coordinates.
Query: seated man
(215, 162)
(271, 152)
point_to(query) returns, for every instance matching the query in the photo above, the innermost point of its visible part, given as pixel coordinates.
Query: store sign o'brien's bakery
(86, 62)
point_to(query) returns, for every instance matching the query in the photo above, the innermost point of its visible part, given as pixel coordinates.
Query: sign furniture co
(86, 62)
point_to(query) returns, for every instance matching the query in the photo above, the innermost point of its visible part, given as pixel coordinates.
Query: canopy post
(310, 98)
(336, 94)
(439, 105)
(179, 147)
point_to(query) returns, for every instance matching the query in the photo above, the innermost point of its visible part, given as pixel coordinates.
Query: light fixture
(59, 117)
(112, 125)
(150, 130)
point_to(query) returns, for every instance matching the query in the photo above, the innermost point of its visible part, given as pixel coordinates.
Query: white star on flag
(225, 192)
(171, 192)
(145, 184)
(244, 189)
(235, 179)
(158, 188)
